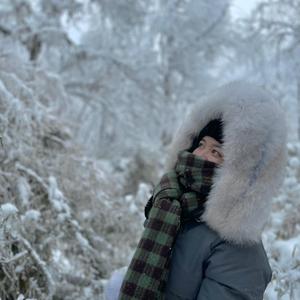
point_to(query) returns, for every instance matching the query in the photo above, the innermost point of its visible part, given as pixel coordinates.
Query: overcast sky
(242, 8)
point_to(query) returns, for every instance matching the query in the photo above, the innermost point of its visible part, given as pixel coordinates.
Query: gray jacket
(205, 267)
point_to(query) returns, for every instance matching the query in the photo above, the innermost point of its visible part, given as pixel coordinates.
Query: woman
(202, 237)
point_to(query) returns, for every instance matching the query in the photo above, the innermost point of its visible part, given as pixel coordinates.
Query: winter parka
(221, 255)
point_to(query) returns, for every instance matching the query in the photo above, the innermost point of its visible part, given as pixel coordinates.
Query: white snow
(8, 209)
(61, 260)
(56, 197)
(32, 215)
(24, 190)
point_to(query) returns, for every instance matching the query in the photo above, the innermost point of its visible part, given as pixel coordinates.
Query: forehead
(211, 140)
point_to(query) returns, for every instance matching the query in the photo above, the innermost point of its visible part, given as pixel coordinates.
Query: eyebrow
(218, 146)
(214, 145)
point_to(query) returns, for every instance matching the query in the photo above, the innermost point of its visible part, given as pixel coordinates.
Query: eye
(217, 153)
(200, 144)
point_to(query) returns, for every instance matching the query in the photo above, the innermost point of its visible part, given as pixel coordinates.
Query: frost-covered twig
(32, 173)
(14, 258)
(39, 263)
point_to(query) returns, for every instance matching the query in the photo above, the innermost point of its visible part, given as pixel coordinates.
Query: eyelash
(219, 154)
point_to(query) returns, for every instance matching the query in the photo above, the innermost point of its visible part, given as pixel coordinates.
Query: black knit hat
(213, 129)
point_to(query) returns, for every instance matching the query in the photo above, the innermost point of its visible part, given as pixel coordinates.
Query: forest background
(91, 93)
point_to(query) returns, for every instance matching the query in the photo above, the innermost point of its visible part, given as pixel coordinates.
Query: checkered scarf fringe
(179, 196)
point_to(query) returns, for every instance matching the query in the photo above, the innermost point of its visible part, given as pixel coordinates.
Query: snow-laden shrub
(68, 220)
(282, 234)
(34, 144)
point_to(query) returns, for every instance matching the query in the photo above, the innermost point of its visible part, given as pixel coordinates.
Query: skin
(210, 149)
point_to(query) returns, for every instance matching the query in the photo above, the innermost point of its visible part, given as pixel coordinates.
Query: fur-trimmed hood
(254, 147)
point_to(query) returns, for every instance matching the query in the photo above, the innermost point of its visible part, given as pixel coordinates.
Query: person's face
(210, 149)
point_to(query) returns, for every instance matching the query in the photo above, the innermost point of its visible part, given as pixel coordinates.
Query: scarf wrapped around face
(179, 196)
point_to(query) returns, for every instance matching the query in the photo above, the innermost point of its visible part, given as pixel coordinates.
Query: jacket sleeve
(235, 273)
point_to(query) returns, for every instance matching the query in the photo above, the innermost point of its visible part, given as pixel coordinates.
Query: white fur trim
(254, 129)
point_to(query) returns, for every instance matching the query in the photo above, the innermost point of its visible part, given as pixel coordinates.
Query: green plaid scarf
(179, 196)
